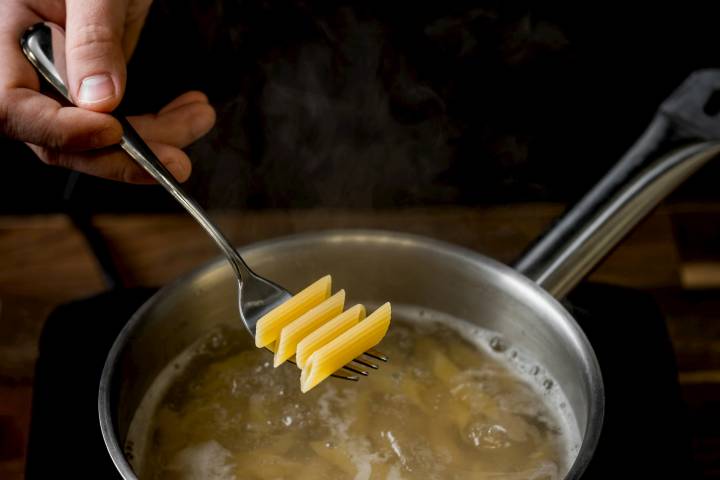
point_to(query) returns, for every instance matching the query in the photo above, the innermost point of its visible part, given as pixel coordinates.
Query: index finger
(30, 116)
(15, 70)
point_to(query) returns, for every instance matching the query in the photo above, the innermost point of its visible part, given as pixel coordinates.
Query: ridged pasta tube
(323, 335)
(304, 325)
(333, 356)
(269, 326)
(313, 327)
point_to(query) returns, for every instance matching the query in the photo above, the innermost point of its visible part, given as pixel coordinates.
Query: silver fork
(42, 44)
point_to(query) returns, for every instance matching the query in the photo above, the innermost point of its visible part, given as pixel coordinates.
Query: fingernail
(96, 88)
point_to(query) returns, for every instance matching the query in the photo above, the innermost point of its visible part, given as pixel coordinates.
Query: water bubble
(498, 344)
(216, 342)
(287, 420)
(548, 383)
(486, 435)
(534, 370)
(129, 450)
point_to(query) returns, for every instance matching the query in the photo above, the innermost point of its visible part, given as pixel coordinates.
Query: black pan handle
(682, 137)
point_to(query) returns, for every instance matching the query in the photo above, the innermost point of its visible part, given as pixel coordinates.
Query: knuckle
(43, 131)
(127, 172)
(92, 41)
(52, 136)
(58, 140)
(51, 157)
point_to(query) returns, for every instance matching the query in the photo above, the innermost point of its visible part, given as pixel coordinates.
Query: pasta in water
(313, 327)
(447, 407)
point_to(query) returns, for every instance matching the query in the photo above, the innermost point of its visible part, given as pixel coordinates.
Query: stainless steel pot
(407, 269)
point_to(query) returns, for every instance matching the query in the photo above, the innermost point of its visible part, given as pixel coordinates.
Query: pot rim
(596, 405)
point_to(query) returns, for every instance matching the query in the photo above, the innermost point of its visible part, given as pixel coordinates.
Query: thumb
(94, 54)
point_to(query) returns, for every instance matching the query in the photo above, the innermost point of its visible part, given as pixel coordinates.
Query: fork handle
(39, 44)
(138, 150)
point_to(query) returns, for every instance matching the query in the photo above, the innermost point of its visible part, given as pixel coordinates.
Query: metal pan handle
(683, 136)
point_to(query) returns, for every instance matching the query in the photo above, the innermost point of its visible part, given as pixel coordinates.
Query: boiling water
(454, 402)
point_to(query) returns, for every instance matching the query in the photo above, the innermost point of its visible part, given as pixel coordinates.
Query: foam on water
(204, 461)
(339, 424)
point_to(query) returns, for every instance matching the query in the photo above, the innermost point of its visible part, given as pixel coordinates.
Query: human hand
(100, 37)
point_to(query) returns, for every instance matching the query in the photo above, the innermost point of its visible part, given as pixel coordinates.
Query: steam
(343, 112)
(331, 133)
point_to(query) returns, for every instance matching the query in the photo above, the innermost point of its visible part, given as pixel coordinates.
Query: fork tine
(353, 378)
(366, 364)
(344, 376)
(356, 370)
(377, 355)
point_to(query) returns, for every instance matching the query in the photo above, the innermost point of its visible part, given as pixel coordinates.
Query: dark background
(383, 104)
(380, 104)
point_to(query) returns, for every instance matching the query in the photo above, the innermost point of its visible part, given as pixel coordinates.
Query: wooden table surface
(44, 261)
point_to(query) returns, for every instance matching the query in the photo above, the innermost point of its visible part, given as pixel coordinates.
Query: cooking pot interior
(372, 267)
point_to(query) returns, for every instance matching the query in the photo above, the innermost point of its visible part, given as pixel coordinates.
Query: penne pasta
(312, 325)
(269, 326)
(308, 322)
(327, 332)
(428, 415)
(334, 355)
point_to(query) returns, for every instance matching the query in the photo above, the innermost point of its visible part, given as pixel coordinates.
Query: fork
(256, 295)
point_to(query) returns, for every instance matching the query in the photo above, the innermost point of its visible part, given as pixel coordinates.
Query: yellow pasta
(308, 322)
(269, 326)
(313, 327)
(328, 359)
(327, 332)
